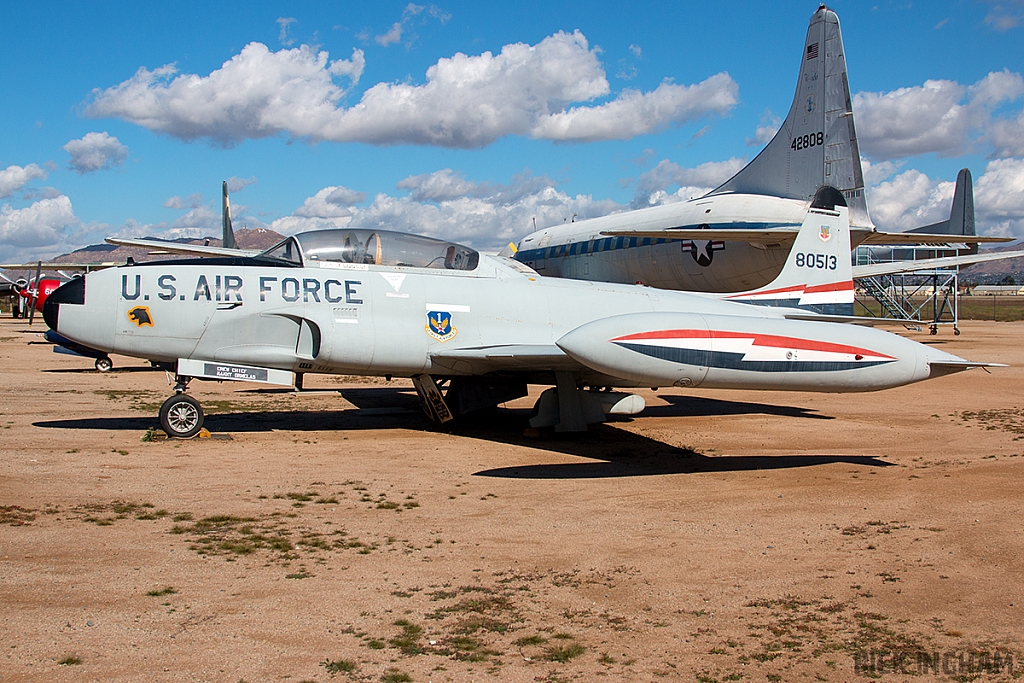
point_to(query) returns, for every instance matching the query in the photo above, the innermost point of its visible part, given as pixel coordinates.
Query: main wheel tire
(181, 416)
(104, 364)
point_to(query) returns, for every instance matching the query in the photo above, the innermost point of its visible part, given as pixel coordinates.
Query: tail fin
(817, 143)
(961, 216)
(818, 274)
(229, 233)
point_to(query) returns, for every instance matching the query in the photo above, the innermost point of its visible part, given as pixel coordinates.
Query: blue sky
(473, 120)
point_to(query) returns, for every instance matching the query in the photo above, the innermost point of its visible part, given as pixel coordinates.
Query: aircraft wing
(179, 248)
(787, 235)
(763, 236)
(483, 359)
(62, 266)
(877, 269)
(914, 238)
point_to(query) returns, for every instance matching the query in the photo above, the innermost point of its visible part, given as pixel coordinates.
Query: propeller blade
(35, 295)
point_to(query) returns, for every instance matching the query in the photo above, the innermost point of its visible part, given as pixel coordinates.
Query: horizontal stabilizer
(965, 364)
(867, 321)
(910, 266)
(940, 368)
(179, 248)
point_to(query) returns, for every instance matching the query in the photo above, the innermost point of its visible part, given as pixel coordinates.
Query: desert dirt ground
(336, 535)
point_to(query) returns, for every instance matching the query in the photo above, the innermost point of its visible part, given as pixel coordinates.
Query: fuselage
(497, 318)
(579, 250)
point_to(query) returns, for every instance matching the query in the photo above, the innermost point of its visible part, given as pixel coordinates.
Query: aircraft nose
(72, 292)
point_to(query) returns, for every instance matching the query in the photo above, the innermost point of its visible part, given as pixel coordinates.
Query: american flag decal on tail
(812, 51)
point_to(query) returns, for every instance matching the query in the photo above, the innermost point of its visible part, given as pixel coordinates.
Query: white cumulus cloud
(41, 224)
(95, 151)
(284, 23)
(484, 215)
(331, 204)
(255, 94)
(13, 178)
(940, 116)
(635, 113)
(412, 14)
(1007, 137)
(236, 184)
(763, 134)
(191, 201)
(652, 186)
(909, 200)
(466, 101)
(999, 197)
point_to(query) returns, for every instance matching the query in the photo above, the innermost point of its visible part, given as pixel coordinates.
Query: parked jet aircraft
(355, 301)
(738, 236)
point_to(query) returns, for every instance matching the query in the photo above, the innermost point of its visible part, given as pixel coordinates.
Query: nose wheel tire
(181, 416)
(104, 364)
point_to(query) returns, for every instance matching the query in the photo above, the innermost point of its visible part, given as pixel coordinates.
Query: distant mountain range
(992, 272)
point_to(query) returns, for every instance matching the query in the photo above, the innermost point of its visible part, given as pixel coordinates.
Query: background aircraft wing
(876, 269)
(62, 266)
(787, 235)
(915, 238)
(762, 236)
(161, 246)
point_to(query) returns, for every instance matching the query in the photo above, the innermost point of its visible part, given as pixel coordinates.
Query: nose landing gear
(181, 415)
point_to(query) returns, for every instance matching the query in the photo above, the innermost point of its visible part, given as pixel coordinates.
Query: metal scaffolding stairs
(927, 297)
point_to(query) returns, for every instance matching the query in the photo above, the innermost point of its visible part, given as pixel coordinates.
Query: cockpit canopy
(373, 247)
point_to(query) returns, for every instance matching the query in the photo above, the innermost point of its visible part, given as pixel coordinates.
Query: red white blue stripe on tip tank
(750, 351)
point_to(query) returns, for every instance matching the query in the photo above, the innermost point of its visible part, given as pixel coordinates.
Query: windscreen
(384, 248)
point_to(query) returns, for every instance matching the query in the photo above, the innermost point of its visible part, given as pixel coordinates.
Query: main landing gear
(181, 415)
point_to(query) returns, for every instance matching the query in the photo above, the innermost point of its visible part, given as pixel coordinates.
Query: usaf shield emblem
(439, 326)
(825, 233)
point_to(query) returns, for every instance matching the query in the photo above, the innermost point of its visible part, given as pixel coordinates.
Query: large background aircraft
(738, 236)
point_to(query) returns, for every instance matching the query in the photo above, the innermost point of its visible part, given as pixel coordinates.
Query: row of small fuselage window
(589, 247)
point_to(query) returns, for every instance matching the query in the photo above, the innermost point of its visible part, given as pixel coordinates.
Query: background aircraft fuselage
(580, 250)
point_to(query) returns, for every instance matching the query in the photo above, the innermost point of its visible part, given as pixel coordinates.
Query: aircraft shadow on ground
(612, 452)
(695, 406)
(642, 457)
(609, 452)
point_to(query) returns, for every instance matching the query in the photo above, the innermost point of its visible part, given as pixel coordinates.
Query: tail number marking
(817, 261)
(805, 141)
